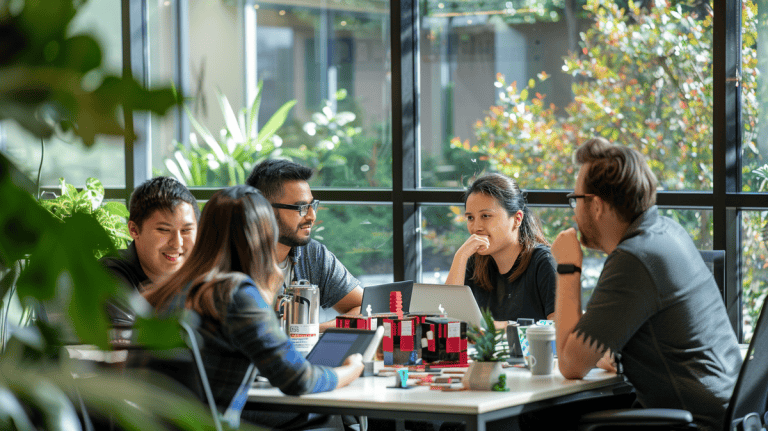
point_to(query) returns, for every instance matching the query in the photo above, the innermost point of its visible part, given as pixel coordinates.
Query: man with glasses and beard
(285, 185)
(655, 302)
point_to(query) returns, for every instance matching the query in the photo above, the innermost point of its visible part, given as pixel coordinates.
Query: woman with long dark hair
(506, 259)
(230, 280)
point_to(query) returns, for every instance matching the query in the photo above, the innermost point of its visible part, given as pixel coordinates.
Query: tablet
(336, 344)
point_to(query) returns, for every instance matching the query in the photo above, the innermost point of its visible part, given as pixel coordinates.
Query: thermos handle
(305, 301)
(281, 305)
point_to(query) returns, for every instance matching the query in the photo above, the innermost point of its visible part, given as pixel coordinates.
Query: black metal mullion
(726, 154)
(127, 111)
(404, 45)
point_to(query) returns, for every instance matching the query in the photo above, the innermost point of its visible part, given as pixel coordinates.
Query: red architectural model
(444, 342)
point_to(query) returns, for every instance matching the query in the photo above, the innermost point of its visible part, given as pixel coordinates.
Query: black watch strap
(567, 268)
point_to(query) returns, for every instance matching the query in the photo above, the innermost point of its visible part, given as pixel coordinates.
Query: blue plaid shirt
(249, 332)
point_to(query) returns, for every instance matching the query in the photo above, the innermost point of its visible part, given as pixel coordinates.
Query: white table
(370, 396)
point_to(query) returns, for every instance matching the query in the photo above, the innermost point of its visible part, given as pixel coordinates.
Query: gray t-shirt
(314, 262)
(658, 304)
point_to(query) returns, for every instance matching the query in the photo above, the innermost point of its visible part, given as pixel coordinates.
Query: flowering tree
(642, 78)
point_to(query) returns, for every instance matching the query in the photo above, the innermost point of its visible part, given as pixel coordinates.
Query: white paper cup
(541, 346)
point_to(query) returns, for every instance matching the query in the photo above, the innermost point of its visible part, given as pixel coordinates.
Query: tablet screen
(336, 344)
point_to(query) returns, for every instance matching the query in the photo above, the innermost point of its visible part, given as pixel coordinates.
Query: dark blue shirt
(249, 332)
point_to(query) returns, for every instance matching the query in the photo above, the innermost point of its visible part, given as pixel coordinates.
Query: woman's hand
(472, 245)
(350, 369)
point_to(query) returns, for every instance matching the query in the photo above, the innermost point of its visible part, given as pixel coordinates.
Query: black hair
(507, 193)
(159, 193)
(237, 237)
(270, 175)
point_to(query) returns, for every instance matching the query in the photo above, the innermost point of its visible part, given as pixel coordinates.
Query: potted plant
(486, 369)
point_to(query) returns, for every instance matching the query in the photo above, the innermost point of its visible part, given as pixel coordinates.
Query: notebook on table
(378, 296)
(456, 301)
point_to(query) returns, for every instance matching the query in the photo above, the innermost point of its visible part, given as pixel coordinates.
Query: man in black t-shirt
(655, 301)
(163, 224)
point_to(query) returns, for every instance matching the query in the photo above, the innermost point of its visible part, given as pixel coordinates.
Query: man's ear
(133, 229)
(600, 207)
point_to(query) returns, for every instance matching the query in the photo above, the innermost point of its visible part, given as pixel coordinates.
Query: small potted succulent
(490, 353)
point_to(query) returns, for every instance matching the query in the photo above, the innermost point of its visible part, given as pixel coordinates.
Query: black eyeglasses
(302, 209)
(572, 198)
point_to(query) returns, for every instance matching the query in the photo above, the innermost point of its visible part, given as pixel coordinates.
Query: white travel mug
(541, 345)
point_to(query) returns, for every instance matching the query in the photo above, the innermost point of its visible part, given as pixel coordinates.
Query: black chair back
(750, 394)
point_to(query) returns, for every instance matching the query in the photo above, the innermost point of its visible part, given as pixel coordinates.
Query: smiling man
(285, 185)
(163, 224)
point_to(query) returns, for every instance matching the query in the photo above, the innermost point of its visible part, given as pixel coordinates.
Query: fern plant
(110, 215)
(489, 341)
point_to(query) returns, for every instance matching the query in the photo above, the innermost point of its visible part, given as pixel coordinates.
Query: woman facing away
(506, 259)
(230, 280)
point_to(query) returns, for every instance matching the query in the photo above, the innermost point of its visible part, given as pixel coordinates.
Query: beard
(588, 234)
(289, 236)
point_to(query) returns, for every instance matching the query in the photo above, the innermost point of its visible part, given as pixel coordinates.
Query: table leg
(475, 424)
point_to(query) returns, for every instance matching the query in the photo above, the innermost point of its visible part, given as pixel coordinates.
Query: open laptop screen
(378, 296)
(456, 301)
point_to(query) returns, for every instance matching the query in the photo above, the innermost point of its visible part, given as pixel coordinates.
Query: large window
(397, 104)
(515, 89)
(61, 157)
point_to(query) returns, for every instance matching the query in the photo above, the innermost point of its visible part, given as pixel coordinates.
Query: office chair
(746, 411)
(231, 415)
(715, 261)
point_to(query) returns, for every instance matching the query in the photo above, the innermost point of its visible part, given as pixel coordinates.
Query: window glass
(516, 87)
(754, 93)
(162, 52)
(361, 238)
(754, 267)
(65, 156)
(197, 144)
(325, 77)
(444, 230)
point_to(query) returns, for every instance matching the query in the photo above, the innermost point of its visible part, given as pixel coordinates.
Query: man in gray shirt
(285, 185)
(655, 301)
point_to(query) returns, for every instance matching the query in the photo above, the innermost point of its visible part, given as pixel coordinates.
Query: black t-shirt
(531, 295)
(126, 267)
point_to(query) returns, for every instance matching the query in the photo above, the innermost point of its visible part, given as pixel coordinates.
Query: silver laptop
(456, 301)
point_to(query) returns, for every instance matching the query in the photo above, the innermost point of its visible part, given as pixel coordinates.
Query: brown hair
(507, 193)
(237, 237)
(618, 175)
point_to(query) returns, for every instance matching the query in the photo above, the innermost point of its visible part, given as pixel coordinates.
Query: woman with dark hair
(506, 260)
(230, 280)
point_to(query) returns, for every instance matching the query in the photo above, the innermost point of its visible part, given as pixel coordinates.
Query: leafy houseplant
(489, 355)
(228, 161)
(43, 68)
(110, 215)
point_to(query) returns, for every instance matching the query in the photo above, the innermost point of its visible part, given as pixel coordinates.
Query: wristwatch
(567, 268)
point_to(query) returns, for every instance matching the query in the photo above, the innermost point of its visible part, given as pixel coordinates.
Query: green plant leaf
(275, 122)
(207, 136)
(229, 118)
(117, 209)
